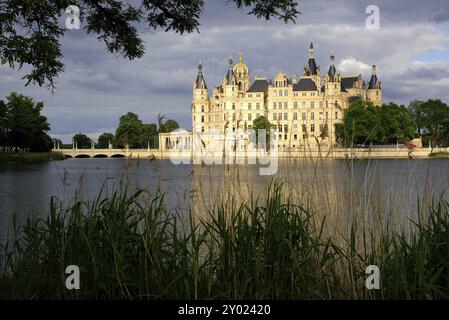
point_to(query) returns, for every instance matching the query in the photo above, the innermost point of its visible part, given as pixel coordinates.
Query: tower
(241, 73)
(200, 102)
(374, 91)
(332, 80)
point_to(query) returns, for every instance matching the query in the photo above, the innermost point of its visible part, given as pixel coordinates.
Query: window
(233, 117)
(303, 104)
(312, 116)
(336, 115)
(304, 128)
(285, 129)
(312, 104)
(257, 105)
(274, 116)
(280, 93)
(249, 106)
(295, 137)
(304, 116)
(285, 105)
(285, 116)
(295, 116)
(202, 118)
(202, 108)
(249, 117)
(312, 128)
(286, 93)
(280, 128)
(295, 105)
(321, 128)
(274, 105)
(280, 116)
(233, 106)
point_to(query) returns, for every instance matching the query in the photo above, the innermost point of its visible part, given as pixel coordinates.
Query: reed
(129, 245)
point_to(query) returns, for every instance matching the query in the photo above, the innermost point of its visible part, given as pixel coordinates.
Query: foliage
(82, 141)
(129, 132)
(31, 32)
(432, 118)
(168, 126)
(22, 126)
(104, 140)
(364, 123)
(23, 157)
(150, 135)
(262, 123)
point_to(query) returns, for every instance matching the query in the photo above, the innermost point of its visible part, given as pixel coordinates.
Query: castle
(304, 110)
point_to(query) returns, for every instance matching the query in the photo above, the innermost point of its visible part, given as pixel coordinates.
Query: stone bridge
(110, 153)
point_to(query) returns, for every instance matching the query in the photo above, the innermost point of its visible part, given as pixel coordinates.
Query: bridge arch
(118, 155)
(100, 156)
(82, 156)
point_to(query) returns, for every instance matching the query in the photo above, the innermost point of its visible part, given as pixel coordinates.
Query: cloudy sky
(411, 51)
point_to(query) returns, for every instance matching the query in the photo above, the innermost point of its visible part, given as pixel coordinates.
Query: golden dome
(241, 68)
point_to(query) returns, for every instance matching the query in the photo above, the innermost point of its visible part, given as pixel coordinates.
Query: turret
(374, 91)
(333, 79)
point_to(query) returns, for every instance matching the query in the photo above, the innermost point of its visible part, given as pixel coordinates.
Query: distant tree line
(131, 133)
(22, 126)
(366, 124)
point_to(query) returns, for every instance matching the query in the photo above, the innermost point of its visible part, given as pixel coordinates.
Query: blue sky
(411, 50)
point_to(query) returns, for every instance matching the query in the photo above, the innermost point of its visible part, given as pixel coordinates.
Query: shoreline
(334, 153)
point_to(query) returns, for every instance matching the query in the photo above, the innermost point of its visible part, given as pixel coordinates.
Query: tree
(129, 132)
(31, 31)
(22, 125)
(150, 135)
(259, 123)
(432, 118)
(364, 123)
(398, 124)
(104, 140)
(3, 123)
(361, 123)
(168, 126)
(82, 141)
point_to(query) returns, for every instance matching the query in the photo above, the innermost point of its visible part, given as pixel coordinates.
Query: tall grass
(269, 247)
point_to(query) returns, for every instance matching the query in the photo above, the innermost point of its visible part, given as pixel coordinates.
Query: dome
(241, 68)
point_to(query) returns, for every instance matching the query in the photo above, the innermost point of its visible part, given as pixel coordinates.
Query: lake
(334, 187)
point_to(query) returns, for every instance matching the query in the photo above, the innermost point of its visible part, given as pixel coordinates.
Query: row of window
(274, 116)
(283, 105)
(284, 130)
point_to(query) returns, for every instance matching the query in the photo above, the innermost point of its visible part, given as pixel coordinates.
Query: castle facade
(303, 110)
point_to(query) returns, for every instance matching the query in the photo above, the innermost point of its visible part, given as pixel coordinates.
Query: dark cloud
(98, 87)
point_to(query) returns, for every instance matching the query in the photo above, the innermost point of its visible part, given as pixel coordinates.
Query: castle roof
(373, 82)
(260, 85)
(305, 84)
(349, 82)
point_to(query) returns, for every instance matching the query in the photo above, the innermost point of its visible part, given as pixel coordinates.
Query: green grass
(442, 154)
(273, 249)
(31, 156)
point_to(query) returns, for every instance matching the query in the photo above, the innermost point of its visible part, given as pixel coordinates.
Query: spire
(311, 51)
(373, 82)
(312, 68)
(240, 57)
(200, 77)
(230, 74)
(332, 70)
